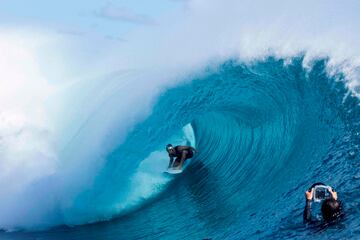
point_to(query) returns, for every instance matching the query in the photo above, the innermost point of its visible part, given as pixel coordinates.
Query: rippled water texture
(265, 132)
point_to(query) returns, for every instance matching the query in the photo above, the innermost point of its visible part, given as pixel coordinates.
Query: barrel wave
(264, 132)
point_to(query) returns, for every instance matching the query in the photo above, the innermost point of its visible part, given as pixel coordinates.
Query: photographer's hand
(333, 194)
(309, 194)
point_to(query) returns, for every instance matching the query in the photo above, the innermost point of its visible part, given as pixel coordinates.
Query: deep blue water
(265, 132)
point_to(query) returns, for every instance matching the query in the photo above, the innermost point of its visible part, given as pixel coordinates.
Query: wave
(264, 132)
(272, 111)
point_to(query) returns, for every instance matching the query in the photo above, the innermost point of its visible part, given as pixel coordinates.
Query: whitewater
(267, 92)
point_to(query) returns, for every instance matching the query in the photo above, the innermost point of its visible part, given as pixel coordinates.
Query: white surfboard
(177, 171)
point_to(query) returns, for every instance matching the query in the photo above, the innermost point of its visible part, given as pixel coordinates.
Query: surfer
(180, 153)
(331, 207)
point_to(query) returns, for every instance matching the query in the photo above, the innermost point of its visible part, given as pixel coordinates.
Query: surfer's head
(330, 209)
(170, 149)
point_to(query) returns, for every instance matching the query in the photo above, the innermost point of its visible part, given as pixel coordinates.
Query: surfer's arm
(171, 161)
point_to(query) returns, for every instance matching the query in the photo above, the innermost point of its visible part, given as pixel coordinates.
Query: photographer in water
(330, 206)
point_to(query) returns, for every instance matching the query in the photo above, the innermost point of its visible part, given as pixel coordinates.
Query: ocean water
(265, 131)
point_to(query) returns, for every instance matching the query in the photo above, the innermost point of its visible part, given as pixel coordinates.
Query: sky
(108, 19)
(69, 37)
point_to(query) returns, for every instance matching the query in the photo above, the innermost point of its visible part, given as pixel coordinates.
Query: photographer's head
(330, 209)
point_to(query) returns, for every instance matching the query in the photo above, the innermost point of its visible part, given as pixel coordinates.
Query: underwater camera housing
(321, 192)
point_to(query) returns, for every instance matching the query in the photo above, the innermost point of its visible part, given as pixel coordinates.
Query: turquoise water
(265, 132)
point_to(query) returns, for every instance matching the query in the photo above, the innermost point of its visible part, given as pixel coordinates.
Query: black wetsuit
(179, 154)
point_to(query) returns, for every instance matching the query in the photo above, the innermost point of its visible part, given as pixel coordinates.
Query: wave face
(265, 132)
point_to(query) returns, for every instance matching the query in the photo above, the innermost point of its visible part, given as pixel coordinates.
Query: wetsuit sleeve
(307, 211)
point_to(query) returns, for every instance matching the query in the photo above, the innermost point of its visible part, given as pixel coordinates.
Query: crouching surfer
(180, 153)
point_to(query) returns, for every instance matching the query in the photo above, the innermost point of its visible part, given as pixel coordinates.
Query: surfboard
(177, 171)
